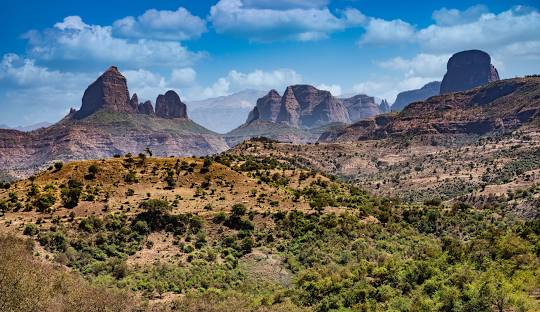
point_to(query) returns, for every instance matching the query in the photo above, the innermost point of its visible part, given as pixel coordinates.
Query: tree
(71, 193)
(148, 151)
(58, 165)
(171, 182)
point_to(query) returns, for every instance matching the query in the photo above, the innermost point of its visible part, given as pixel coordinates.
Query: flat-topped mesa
(361, 106)
(467, 70)
(109, 92)
(170, 106)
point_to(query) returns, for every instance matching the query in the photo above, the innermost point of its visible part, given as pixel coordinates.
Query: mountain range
(110, 121)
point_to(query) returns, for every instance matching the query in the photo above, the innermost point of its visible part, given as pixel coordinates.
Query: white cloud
(474, 28)
(423, 64)
(379, 31)
(488, 31)
(289, 23)
(183, 76)
(33, 93)
(73, 40)
(162, 25)
(450, 17)
(334, 88)
(284, 4)
(257, 79)
(219, 88)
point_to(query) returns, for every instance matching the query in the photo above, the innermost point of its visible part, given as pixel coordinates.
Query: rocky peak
(170, 106)
(300, 106)
(134, 102)
(146, 108)
(289, 112)
(467, 70)
(384, 107)
(267, 107)
(253, 115)
(109, 91)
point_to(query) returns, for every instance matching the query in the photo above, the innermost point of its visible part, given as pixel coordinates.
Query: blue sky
(52, 50)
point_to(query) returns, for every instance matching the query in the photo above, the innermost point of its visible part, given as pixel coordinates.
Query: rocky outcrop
(300, 106)
(109, 92)
(170, 106)
(498, 107)
(146, 108)
(407, 97)
(361, 106)
(467, 70)
(267, 107)
(134, 102)
(384, 107)
(289, 110)
(254, 115)
(108, 124)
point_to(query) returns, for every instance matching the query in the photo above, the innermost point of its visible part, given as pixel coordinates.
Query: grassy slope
(303, 242)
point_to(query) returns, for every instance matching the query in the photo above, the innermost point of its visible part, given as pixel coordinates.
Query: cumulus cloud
(379, 31)
(162, 25)
(74, 40)
(257, 79)
(488, 31)
(36, 93)
(423, 64)
(291, 22)
(284, 4)
(450, 17)
(456, 30)
(335, 89)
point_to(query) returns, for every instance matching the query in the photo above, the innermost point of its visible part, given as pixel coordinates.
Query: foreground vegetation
(349, 251)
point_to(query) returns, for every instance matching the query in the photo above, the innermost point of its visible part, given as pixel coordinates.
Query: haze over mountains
(113, 122)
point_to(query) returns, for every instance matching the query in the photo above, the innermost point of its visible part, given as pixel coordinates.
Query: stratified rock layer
(301, 106)
(107, 124)
(498, 107)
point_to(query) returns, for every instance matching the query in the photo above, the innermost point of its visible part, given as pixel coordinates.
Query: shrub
(58, 165)
(131, 177)
(71, 194)
(30, 229)
(45, 201)
(92, 171)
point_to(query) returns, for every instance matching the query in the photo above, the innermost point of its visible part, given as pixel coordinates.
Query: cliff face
(109, 123)
(267, 107)
(170, 106)
(407, 97)
(498, 107)
(300, 106)
(467, 70)
(109, 92)
(362, 106)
